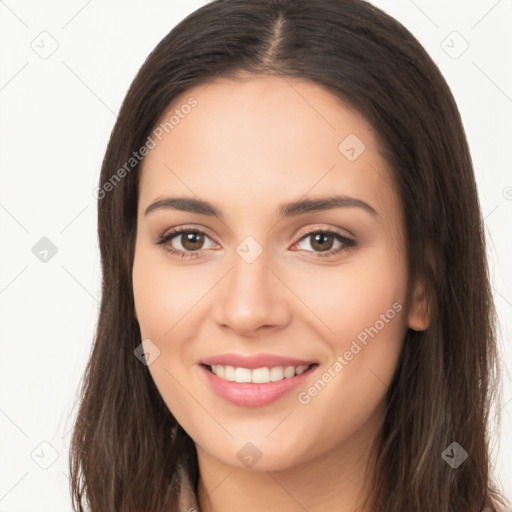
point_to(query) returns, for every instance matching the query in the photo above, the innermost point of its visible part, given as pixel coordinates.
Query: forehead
(263, 137)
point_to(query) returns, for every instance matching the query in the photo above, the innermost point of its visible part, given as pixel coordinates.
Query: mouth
(255, 387)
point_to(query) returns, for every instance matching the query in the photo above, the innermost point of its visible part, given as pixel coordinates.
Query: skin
(247, 147)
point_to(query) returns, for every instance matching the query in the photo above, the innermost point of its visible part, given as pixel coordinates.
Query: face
(270, 250)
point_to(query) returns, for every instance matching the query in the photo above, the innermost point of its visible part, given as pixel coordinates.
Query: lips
(254, 394)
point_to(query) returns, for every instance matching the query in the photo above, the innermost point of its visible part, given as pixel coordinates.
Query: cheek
(162, 297)
(356, 296)
(368, 306)
(169, 303)
(362, 313)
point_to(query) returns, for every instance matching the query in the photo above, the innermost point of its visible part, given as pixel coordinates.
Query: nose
(252, 299)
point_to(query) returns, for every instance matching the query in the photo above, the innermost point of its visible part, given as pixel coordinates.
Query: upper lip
(255, 361)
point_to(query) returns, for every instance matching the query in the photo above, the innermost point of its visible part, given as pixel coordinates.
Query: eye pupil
(195, 240)
(318, 244)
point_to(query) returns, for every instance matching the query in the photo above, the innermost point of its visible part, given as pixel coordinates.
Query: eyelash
(348, 243)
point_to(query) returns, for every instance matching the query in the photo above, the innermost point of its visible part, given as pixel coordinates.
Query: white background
(57, 114)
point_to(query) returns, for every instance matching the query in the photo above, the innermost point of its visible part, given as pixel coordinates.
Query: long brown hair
(126, 444)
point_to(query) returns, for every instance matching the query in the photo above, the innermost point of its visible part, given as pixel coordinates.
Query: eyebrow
(300, 207)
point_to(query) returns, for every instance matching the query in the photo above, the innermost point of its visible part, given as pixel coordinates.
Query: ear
(418, 317)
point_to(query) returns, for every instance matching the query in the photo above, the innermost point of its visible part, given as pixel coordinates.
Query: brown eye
(186, 243)
(322, 241)
(191, 240)
(326, 243)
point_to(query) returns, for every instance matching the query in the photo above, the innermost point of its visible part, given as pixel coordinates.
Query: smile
(257, 375)
(254, 387)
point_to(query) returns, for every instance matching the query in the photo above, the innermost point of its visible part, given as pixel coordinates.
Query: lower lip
(254, 395)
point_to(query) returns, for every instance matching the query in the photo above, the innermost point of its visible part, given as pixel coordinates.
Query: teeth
(229, 373)
(289, 371)
(258, 375)
(242, 375)
(221, 371)
(276, 373)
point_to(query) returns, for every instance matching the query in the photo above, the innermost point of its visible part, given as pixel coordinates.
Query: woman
(296, 313)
